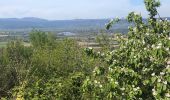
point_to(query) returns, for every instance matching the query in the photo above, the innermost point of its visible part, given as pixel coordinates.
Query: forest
(48, 69)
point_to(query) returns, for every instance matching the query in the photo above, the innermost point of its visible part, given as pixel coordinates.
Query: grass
(3, 44)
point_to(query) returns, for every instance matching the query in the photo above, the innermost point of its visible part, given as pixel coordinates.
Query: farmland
(3, 44)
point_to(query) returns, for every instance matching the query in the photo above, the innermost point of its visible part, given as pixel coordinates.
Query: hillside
(68, 25)
(65, 25)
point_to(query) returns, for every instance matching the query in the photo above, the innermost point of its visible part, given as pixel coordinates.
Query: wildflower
(100, 86)
(154, 93)
(165, 82)
(145, 69)
(110, 69)
(169, 38)
(167, 49)
(135, 89)
(122, 89)
(143, 41)
(90, 48)
(135, 29)
(102, 54)
(116, 83)
(168, 62)
(153, 90)
(167, 95)
(160, 44)
(95, 81)
(159, 80)
(162, 73)
(168, 66)
(132, 71)
(153, 74)
(112, 52)
(151, 58)
(122, 69)
(60, 84)
(111, 79)
(138, 88)
(153, 46)
(158, 47)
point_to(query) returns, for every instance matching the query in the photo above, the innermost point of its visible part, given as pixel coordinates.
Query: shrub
(56, 73)
(138, 68)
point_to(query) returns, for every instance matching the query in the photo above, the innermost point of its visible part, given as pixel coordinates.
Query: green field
(3, 44)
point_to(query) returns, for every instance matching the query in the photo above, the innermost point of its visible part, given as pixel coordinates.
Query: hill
(64, 25)
(76, 24)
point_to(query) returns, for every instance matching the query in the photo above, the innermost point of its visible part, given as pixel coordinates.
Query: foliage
(113, 21)
(48, 71)
(104, 41)
(138, 68)
(40, 39)
(51, 69)
(13, 63)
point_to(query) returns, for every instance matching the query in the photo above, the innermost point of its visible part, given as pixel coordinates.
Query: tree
(138, 68)
(41, 39)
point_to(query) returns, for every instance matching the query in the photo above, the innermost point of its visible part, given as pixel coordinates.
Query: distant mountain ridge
(32, 22)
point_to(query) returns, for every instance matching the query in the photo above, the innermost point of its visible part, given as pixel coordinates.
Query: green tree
(138, 68)
(41, 39)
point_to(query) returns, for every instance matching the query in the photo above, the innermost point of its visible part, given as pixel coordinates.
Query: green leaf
(153, 79)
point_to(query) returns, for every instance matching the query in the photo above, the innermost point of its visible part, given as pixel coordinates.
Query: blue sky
(75, 9)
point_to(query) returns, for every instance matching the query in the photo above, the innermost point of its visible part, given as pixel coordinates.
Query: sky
(76, 9)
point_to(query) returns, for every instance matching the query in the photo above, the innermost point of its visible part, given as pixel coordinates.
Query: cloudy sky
(75, 9)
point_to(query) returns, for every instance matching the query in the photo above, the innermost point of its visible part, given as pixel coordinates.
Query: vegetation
(47, 69)
(2, 44)
(62, 70)
(138, 69)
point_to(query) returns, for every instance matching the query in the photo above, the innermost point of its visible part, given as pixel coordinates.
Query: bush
(56, 73)
(13, 65)
(138, 68)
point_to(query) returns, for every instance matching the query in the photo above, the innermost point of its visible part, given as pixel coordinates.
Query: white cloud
(73, 9)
